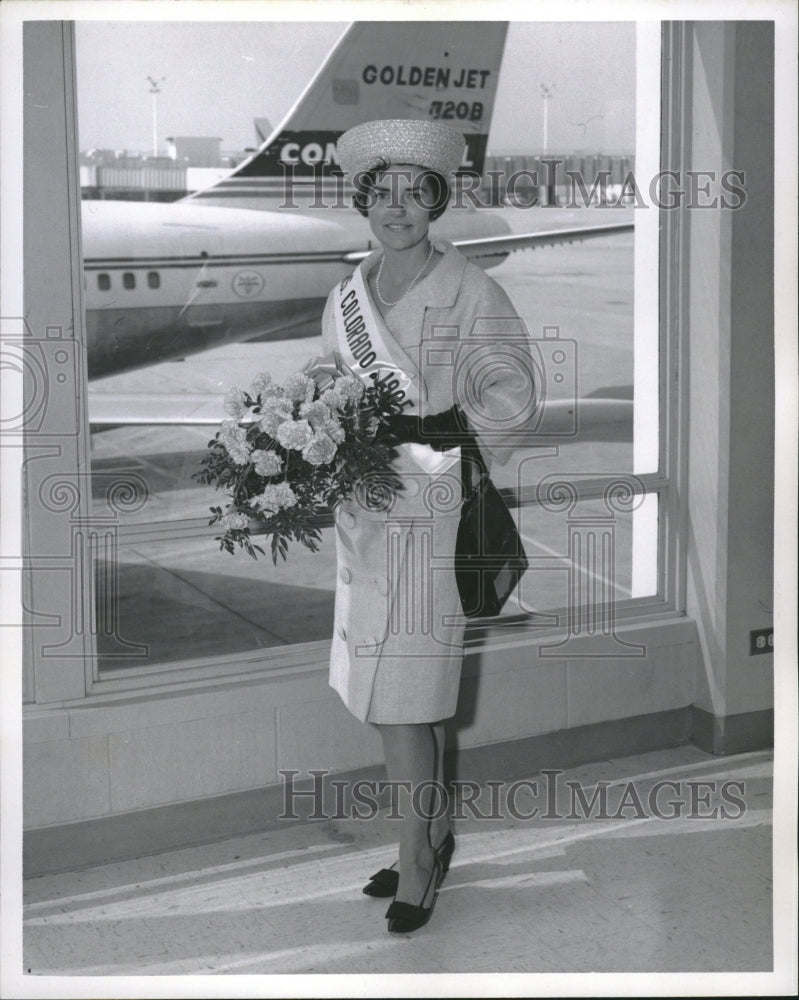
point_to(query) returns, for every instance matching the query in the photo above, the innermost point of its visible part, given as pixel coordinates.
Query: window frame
(672, 468)
(665, 483)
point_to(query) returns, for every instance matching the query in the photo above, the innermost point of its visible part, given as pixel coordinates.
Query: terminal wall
(730, 301)
(104, 756)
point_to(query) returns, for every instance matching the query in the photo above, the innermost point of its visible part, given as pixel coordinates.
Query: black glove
(440, 430)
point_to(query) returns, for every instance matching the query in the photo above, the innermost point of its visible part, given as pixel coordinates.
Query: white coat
(398, 629)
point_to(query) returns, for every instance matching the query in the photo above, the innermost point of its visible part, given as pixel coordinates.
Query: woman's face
(398, 216)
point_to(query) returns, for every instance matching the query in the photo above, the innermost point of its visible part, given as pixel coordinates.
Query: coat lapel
(392, 329)
(405, 322)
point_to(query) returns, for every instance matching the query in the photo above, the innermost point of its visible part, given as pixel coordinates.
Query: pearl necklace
(419, 274)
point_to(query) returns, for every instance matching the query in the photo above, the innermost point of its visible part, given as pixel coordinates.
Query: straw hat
(423, 143)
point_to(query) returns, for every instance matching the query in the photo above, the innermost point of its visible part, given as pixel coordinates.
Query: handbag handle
(472, 462)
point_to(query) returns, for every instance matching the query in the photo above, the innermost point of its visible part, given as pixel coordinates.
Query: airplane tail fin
(440, 70)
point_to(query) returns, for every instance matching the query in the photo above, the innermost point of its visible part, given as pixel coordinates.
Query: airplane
(255, 254)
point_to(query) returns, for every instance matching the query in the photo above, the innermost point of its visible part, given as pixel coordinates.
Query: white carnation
(299, 388)
(276, 409)
(267, 463)
(294, 434)
(274, 498)
(333, 398)
(235, 405)
(234, 520)
(234, 439)
(261, 383)
(270, 421)
(316, 413)
(351, 388)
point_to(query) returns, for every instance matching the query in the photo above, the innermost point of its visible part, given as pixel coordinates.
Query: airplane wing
(107, 409)
(494, 246)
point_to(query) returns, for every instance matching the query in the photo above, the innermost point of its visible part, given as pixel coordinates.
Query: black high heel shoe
(444, 854)
(405, 917)
(383, 884)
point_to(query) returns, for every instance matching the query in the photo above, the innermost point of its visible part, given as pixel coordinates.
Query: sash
(374, 358)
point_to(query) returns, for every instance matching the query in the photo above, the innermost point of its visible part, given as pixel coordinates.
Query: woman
(408, 314)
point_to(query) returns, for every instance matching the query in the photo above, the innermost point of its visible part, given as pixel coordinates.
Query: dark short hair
(364, 182)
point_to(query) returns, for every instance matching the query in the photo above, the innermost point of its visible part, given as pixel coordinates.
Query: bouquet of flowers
(288, 452)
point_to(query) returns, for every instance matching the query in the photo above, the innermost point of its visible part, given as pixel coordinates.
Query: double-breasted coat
(398, 625)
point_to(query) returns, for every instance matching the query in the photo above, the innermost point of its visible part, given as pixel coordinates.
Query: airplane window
(129, 280)
(103, 282)
(153, 279)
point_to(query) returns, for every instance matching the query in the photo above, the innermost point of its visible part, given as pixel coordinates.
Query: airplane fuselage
(167, 280)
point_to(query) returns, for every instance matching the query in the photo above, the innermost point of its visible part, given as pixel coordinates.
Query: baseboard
(726, 734)
(85, 844)
(142, 832)
(518, 759)
(73, 846)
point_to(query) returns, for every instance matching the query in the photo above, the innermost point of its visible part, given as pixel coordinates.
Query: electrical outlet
(761, 640)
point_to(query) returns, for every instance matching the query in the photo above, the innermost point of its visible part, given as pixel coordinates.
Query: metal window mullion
(189, 528)
(592, 489)
(198, 527)
(674, 251)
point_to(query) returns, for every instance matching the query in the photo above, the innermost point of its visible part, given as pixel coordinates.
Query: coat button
(347, 519)
(345, 574)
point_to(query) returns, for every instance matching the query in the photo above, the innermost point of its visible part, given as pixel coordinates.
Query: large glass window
(589, 497)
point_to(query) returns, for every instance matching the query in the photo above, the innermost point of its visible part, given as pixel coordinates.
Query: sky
(215, 78)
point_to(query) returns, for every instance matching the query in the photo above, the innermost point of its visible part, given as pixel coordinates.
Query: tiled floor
(630, 891)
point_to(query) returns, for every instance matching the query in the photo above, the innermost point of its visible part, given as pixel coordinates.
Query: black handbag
(489, 555)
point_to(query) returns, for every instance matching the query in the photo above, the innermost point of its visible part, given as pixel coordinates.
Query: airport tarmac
(180, 597)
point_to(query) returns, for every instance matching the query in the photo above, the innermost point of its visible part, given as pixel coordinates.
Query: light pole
(155, 90)
(547, 90)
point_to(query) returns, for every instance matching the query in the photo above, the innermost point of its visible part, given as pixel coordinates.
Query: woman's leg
(439, 827)
(414, 753)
